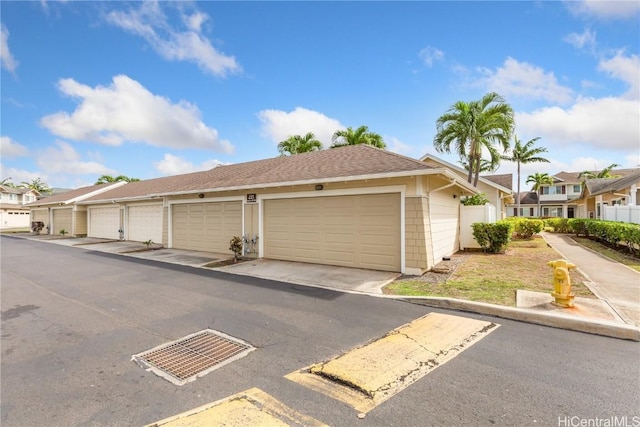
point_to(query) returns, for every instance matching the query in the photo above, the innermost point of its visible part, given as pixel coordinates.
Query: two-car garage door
(353, 231)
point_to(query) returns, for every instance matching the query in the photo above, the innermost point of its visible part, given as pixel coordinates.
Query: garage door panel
(104, 222)
(207, 226)
(144, 223)
(354, 231)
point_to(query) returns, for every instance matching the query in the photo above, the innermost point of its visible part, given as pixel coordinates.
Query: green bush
(475, 200)
(526, 228)
(559, 225)
(578, 226)
(493, 238)
(608, 232)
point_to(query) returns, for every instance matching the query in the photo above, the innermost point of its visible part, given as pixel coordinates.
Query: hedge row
(608, 232)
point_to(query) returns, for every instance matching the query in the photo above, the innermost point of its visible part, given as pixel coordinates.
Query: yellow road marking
(367, 376)
(252, 407)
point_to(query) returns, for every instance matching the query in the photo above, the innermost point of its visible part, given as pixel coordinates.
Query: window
(554, 189)
(577, 188)
(524, 211)
(13, 197)
(552, 211)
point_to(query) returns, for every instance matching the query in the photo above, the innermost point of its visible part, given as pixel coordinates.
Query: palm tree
(470, 126)
(538, 180)
(604, 173)
(108, 179)
(297, 144)
(37, 185)
(523, 154)
(485, 165)
(360, 135)
(7, 182)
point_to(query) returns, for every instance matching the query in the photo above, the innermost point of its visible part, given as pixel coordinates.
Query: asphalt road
(72, 319)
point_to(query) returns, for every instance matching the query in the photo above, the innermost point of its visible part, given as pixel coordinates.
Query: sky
(151, 89)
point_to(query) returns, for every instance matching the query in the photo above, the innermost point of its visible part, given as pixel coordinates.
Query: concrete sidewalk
(610, 281)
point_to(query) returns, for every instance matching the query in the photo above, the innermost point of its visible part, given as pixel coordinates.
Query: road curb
(590, 326)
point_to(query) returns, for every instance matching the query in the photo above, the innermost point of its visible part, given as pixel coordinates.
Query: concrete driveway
(321, 276)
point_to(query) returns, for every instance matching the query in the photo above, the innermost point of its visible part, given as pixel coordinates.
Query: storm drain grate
(193, 356)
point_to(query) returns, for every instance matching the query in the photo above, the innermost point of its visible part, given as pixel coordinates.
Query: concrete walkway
(610, 281)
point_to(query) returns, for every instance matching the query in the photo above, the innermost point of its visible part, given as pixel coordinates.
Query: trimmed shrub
(526, 228)
(608, 232)
(559, 225)
(493, 238)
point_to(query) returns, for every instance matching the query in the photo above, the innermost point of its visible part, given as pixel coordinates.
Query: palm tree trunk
(518, 194)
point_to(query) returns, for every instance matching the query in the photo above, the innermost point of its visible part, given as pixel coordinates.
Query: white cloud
(605, 9)
(524, 80)
(64, 159)
(430, 54)
(174, 165)
(279, 125)
(19, 175)
(11, 149)
(397, 146)
(610, 123)
(150, 23)
(625, 68)
(585, 40)
(9, 63)
(127, 111)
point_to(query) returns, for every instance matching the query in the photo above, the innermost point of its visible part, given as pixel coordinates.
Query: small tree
(235, 246)
(479, 199)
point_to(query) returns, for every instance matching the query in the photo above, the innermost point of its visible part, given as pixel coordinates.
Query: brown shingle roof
(604, 185)
(348, 161)
(67, 196)
(505, 180)
(573, 176)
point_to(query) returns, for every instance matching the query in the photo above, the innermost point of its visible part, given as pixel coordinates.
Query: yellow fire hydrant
(562, 282)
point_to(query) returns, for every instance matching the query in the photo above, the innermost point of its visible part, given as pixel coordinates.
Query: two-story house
(13, 213)
(562, 199)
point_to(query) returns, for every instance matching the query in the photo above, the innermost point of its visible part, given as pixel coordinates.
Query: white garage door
(104, 222)
(145, 223)
(206, 227)
(62, 220)
(354, 231)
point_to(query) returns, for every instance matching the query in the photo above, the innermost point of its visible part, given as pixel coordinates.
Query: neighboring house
(497, 188)
(354, 206)
(61, 211)
(562, 199)
(13, 213)
(598, 194)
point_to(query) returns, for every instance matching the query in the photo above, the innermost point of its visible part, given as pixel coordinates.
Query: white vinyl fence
(469, 215)
(622, 213)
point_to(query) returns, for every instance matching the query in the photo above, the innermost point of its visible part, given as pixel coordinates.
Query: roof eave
(417, 172)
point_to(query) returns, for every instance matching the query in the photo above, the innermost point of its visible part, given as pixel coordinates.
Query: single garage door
(206, 227)
(62, 219)
(360, 231)
(104, 222)
(144, 223)
(40, 215)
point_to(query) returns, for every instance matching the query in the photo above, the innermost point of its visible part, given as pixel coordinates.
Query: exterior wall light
(319, 187)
